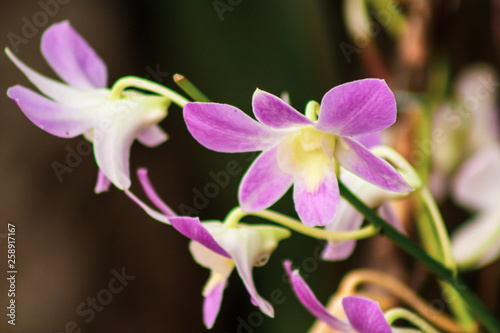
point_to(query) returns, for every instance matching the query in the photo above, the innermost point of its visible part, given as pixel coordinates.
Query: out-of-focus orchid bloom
(477, 186)
(464, 126)
(363, 314)
(220, 248)
(242, 247)
(82, 105)
(348, 218)
(301, 150)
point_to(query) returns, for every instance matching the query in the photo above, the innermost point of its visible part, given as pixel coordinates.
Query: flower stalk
(140, 83)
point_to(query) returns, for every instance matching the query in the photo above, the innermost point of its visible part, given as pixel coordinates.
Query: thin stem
(438, 225)
(234, 217)
(352, 280)
(296, 225)
(136, 82)
(237, 214)
(434, 265)
(399, 313)
(458, 307)
(190, 89)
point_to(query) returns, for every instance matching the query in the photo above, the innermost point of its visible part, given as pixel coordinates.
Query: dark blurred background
(70, 240)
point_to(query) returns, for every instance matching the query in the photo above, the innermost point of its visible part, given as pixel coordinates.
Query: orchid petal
(152, 136)
(103, 183)
(54, 118)
(360, 161)
(477, 184)
(212, 303)
(370, 140)
(72, 58)
(148, 188)
(192, 228)
(357, 108)
(247, 245)
(112, 143)
(221, 266)
(274, 112)
(311, 303)
(151, 212)
(264, 183)
(224, 128)
(318, 206)
(470, 241)
(347, 218)
(365, 315)
(338, 250)
(60, 92)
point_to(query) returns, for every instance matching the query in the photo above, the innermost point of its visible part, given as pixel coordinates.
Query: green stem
(440, 230)
(399, 313)
(237, 214)
(190, 89)
(458, 307)
(436, 267)
(137, 82)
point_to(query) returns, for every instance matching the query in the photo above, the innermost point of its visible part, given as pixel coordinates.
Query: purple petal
(264, 183)
(152, 136)
(316, 207)
(103, 183)
(357, 108)
(151, 212)
(211, 304)
(347, 218)
(224, 128)
(311, 303)
(54, 118)
(72, 58)
(370, 140)
(58, 91)
(192, 228)
(360, 161)
(365, 315)
(338, 250)
(274, 112)
(148, 188)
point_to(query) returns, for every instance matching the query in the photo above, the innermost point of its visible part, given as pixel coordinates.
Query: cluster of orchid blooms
(337, 141)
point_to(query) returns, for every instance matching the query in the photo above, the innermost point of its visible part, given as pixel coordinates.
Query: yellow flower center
(302, 155)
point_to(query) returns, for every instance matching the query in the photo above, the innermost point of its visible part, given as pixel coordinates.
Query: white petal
(475, 240)
(477, 184)
(113, 139)
(60, 92)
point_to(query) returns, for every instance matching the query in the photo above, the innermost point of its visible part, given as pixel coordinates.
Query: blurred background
(71, 242)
